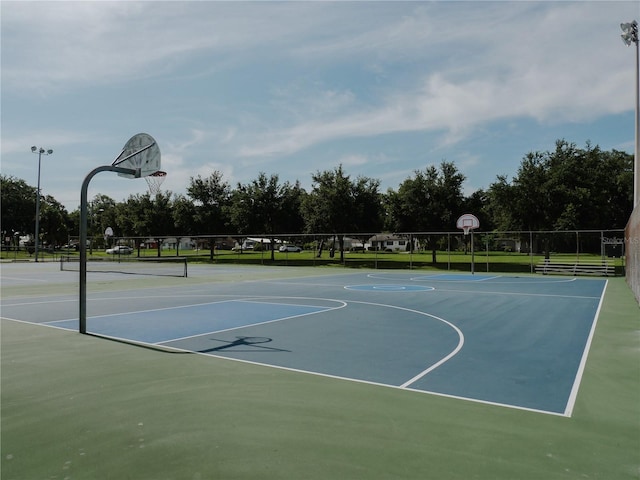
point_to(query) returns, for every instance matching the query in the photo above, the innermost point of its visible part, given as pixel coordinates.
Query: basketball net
(465, 229)
(155, 181)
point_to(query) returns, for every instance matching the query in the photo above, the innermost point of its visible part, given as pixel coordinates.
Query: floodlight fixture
(630, 33)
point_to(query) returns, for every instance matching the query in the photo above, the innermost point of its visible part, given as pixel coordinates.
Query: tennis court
(501, 342)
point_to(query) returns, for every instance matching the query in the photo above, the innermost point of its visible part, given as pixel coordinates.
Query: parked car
(290, 248)
(120, 250)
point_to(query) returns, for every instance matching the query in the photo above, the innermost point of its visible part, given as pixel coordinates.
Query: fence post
(531, 251)
(487, 243)
(411, 251)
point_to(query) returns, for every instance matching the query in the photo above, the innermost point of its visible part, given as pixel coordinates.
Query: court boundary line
(427, 277)
(551, 295)
(461, 291)
(164, 348)
(366, 382)
(26, 279)
(573, 395)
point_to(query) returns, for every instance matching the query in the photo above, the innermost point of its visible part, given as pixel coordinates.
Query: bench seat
(577, 268)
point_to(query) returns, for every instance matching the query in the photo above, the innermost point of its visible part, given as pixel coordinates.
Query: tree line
(568, 188)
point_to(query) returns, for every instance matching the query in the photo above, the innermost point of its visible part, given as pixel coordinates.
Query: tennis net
(158, 266)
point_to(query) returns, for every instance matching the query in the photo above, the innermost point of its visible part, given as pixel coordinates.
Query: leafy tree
(242, 211)
(18, 206)
(127, 213)
(54, 221)
(184, 214)
(101, 212)
(500, 196)
(263, 206)
(143, 216)
(160, 214)
(339, 205)
(531, 200)
(476, 203)
(617, 204)
(430, 201)
(587, 187)
(74, 223)
(567, 189)
(212, 199)
(290, 219)
(448, 196)
(18, 202)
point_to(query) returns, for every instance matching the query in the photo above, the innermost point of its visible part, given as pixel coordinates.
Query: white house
(390, 242)
(249, 243)
(182, 243)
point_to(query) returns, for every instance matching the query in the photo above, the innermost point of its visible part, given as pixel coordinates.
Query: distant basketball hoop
(155, 181)
(468, 222)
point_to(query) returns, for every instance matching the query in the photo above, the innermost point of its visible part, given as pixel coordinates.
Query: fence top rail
(361, 235)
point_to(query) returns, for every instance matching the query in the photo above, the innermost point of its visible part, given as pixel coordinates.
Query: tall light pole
(40, 151)
(629, 36)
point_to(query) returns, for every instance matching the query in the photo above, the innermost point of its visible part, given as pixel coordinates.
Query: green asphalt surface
(82, 407)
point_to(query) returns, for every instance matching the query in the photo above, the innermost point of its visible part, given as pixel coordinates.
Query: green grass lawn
(483, 261)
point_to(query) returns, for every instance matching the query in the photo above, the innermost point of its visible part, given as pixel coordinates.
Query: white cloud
(541, 66)
(236, 85)
(353, 160)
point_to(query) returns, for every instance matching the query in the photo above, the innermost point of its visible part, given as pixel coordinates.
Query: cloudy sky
(291, 88)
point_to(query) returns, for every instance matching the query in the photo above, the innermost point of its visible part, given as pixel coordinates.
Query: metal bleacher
(604, 268)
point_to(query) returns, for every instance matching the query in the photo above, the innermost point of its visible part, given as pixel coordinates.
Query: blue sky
(292, 88)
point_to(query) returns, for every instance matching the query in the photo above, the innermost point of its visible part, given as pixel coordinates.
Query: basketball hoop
(155, 180)
(141, 153)
(468, 222)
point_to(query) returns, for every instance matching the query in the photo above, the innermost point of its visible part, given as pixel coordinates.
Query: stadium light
(40, 151)
(629, 36)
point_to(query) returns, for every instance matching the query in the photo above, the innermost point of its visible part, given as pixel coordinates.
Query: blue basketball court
(518, 342)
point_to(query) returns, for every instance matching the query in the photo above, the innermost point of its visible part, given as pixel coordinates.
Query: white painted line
(369, 382)
(475, 292)
(578, 379)
(240, 327)
(442, 360)
(27, 279)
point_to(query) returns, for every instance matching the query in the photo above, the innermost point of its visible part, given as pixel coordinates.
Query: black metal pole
(83, 236)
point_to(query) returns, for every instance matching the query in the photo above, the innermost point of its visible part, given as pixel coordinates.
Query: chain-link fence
(495, 251)
(632, 245)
